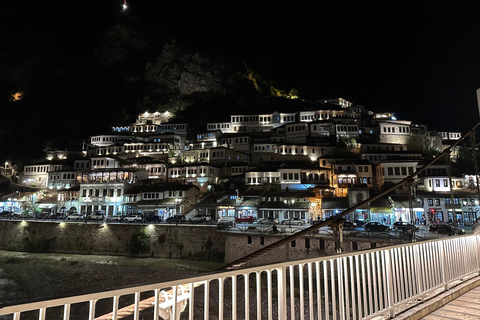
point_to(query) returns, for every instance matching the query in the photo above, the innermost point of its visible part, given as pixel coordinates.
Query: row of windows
(65, 176)
(156, 195)
(82, 165)
(400, 129)
(438, 183)
(146, 147)
(42, 168)
(149, 128)
(101, 162)
(263, 148)
(396, 171)
(237, 140)
(158, 170)
(108, 150)
(165, 127)
(263, 180)
(238, 169)
(296, 128)
(347, 128)
(349, 168)
(104, 139)
(322, 128)
(177, 172)
(448, 201)
(247, 119)
(101, 192)
(291, 176)
(214, 126)
(295, 150)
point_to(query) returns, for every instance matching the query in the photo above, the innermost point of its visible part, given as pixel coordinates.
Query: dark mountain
(52, 100)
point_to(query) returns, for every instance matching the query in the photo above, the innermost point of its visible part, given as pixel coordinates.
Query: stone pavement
(467, 306)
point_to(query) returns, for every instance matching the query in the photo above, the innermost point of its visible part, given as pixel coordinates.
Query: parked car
(97, 216)
(246, 219)
(377, 227)
(225, 224)
(359, 223)
(41, 215)
(199, 218)
(267, 221)
(153, 219)
(118, 218)
(133, 218)
(6, 214)
(403, 226)
(75, 216)
(293, 221)
(177, 219)
(56, 216)
(443, 228)
(349, 225)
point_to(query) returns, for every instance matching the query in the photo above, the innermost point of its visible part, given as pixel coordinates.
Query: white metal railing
(356, 285)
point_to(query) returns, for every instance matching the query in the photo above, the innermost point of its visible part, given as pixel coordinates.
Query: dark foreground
(31, 276)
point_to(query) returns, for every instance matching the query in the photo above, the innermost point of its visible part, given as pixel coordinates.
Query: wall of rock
(165, 241)
(196, 242)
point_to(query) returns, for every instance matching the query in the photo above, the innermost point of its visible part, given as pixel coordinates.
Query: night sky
(419, 59)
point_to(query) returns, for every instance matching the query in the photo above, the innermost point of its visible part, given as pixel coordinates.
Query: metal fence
(357, 285)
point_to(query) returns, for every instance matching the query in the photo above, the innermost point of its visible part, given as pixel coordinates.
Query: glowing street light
(289, 203)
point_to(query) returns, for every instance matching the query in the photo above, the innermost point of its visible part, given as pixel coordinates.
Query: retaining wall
(165, 241)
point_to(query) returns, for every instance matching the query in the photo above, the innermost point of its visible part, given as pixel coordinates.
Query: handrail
(387, 262)
(337, 218)
(360, 284)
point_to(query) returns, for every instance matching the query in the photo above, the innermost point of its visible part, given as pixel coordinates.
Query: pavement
(467, 306)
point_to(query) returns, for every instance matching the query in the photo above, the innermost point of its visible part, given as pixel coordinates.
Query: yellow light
(17, 96)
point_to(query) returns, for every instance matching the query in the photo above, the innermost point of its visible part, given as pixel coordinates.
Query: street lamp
(177, 205)
(289, 203)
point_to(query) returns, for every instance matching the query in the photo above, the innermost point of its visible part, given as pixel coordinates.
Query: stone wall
(240, 245)
(165, 241)
(196, 242)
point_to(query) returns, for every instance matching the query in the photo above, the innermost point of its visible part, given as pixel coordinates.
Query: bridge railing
(356, 285)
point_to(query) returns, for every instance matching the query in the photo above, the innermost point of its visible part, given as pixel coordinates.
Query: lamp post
(289, 203)
(177, 205)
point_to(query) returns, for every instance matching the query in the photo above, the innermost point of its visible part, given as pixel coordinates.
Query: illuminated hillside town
(306, 165)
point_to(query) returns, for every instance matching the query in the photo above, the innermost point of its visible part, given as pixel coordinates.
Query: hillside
(131, 69)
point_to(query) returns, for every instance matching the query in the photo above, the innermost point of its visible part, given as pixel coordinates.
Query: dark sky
(419, 59)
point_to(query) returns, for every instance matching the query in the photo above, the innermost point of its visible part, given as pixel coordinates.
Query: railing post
(91, 310)
(247, 295)
(477, 254)
(234, 297)
(42, 311)
(66, 312)
(115, 307)
(155, 303)
(191, 302)
(282, 293)
(389, 275)
(220, 298)
(136, 314)
(442, 265)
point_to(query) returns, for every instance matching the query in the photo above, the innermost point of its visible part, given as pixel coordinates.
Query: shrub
(139, 242)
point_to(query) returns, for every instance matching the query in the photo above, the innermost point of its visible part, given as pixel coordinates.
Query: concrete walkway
(467, 306)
